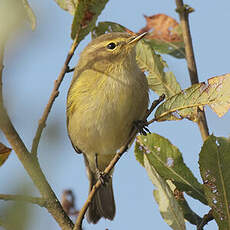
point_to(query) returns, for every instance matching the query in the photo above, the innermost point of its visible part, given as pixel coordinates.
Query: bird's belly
(106, 124)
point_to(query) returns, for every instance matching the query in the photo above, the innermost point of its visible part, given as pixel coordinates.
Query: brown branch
(111, 165)
(30, 162)
(207, 218)
(42, 122)
(30, 199)
(184, 11)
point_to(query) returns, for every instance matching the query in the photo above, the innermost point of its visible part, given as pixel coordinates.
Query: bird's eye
(111, 46)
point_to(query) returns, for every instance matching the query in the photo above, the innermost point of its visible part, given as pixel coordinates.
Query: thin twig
(30, 199)
(123, 149)
(153, 106)
(184, 11)
(207, 218)
(42, 122)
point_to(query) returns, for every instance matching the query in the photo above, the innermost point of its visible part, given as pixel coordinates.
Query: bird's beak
(135, 39)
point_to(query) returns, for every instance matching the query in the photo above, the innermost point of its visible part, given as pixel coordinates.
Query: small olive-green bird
(107, 95)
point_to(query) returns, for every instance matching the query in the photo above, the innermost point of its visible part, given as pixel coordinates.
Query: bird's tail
(103, 204)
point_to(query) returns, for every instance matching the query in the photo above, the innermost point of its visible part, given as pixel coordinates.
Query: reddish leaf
(162, 27)
(87, 18)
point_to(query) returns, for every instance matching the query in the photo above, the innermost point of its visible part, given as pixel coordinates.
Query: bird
(107, 95)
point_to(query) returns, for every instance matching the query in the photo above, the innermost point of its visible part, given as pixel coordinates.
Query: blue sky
(34, 60)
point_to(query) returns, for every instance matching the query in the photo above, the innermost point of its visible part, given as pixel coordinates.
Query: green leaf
(175, 49)
(4, 153)
(189, 215)
(68, 5)
(30, 14)
(168, 162)
(215, 93)
(159, 81)
(214, 167)
(85, 17)
(107, 27)
(168, 206)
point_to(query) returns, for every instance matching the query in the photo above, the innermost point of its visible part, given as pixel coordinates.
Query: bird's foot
(103, 177)
(142, 127)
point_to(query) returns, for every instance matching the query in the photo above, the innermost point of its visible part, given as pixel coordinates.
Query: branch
(42, 122)
(111, 165)
(184, 11)
(208, 217)
(34, 200)
(30, 162)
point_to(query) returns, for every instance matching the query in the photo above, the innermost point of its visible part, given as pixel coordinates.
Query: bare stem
(30, 199)
(123, 149)
(54, 94)
(191, 63)
(30, 162)
(207, 218)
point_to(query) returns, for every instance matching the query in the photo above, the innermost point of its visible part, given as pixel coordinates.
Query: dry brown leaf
(68, 203)
(4, 153)
(162, 27)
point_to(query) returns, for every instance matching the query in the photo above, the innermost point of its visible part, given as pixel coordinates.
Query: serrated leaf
(167, 160)
(4, 153)
(30, 14)
(215, 93)
(214, 167)
(164, 35)
(168, 206)
(68, 5)
(159, 81)
(85, 17)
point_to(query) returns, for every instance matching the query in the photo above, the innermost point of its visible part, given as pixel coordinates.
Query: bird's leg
(100, 174)
(141, 126)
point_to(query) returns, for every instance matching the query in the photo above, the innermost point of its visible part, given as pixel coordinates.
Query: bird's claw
(103, 177)
(141, 127)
